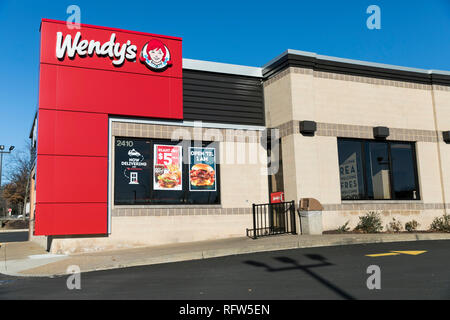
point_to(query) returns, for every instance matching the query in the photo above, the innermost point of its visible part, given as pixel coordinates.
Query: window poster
(202, 169)
(349, 178)
(132, 170)
(167, 167)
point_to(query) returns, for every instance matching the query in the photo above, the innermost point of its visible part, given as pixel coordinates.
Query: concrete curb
(255, 246)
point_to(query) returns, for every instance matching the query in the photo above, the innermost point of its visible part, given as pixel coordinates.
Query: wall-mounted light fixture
(308, 128)
(380, 132)
(446, 136)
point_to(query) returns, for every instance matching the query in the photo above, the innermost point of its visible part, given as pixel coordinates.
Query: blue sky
(413, 34)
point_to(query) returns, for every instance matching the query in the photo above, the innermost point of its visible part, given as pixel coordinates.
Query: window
(377, 170)
(156, 171)
(276, 183)
(351, 170)
(404, 173)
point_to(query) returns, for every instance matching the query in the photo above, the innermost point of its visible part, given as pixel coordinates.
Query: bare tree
(15, 192)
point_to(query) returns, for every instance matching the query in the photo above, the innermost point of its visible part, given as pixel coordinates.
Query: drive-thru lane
(13, 236)
(338, 272)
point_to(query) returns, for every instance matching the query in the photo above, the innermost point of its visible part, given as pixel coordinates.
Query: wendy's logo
(155, 55)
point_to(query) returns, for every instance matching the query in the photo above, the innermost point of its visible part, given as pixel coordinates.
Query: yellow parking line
(396, 253)
(383, 254)
(413, 253)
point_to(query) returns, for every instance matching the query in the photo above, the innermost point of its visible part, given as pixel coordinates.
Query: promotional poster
(132, 169)
(167, 167)
(202, 169)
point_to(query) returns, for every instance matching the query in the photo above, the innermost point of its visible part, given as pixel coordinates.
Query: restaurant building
(137, 146)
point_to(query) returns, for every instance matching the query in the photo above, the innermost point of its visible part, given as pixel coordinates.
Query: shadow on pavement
(292, 264)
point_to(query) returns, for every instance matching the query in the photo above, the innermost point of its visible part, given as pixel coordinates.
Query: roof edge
(334, 64)
(220, 67)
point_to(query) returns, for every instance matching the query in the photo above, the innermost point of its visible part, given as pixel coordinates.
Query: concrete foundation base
(136, 231)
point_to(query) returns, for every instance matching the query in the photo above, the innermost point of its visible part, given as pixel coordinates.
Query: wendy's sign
(155, 54)
(110, 49)
(87, 75)
(116, 51)
(108, 70)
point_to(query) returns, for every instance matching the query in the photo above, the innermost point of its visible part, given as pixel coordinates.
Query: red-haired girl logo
(155, 55)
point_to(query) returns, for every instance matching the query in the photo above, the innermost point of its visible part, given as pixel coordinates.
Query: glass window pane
(351, 169)
(403, 171)
(277, 183)
(143, 177)
(165, 154)
(132, 171)
(377, 169)
(204, 185)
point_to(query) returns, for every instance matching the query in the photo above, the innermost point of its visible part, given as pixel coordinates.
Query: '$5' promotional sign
(167, 168)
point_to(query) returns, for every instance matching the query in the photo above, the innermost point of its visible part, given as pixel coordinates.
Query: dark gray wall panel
(224, 98)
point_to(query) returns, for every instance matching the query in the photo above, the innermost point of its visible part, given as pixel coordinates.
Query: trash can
(310, 216)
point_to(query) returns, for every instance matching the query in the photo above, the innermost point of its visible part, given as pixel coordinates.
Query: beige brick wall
(429, 173)
(442, 103)
(130, 232)
(290, 178)
(242, 168)
(303, 94)
(350, 106)
(243, 182)
(445, 161)
(312, 169)
(360, 103)
(242, 185)
(278, 99)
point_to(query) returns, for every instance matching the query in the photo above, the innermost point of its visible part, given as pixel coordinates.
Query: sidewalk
(28, 259)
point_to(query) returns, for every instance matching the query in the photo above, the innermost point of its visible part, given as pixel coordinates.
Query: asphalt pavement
(338, 272)
(13, 236)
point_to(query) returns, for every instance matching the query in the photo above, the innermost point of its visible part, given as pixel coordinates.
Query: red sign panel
(104, 70)
(277, 197)
(108, 49)
(87, 75)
